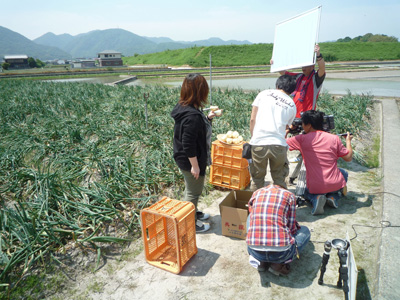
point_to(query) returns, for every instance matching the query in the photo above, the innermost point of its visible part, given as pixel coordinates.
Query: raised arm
(320, 61)
(349, 156)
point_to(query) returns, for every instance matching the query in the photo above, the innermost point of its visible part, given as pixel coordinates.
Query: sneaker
(318, 209)
(201, 227)
(261, 266)
(331, 201)
(202, 216)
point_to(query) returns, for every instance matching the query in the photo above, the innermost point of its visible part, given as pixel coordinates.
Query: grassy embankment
(235, 60)
(260, 54)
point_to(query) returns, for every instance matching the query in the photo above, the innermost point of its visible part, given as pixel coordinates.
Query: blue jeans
(335, 194)
(301, 237)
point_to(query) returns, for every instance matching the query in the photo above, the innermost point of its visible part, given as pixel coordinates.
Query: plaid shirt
(272, 217)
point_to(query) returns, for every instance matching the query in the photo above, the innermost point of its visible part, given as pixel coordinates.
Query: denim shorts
(279, 257)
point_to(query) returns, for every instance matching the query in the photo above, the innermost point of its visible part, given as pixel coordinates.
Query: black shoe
(202, 216)
(291, 180)
(201, 227)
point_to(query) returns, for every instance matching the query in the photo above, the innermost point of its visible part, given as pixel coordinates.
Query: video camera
(327, 125)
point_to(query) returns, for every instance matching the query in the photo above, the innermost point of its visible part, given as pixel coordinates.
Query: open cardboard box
(234, 212)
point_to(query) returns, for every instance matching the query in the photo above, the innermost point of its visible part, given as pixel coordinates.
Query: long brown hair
(194, 90)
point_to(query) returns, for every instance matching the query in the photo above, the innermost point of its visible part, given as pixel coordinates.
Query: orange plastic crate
(232, 178)
(228, 155)
(169, 233)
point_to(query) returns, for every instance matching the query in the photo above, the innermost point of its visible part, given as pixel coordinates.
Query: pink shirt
(320, 151)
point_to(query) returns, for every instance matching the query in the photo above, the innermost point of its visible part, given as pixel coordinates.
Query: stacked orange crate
(228, 168)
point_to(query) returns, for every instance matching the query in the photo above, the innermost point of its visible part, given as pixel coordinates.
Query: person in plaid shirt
(274, 237)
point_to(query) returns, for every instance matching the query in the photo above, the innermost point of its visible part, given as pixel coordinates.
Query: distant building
(109, 58)
(17, 61)
(83, 63)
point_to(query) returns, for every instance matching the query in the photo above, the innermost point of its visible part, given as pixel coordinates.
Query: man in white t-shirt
(273, 111)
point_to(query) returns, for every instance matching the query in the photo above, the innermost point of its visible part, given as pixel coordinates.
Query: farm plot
(78, 161)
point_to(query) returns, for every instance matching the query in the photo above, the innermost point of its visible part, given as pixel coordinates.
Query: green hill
(90, 43)
(12, 43)
(53, 40)
(260, 54)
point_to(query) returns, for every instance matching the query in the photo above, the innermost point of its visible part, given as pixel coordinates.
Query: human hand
(195, 172)
(214, 113)
(271, 62)
(349, 137)
(317, 49)
(287, 131)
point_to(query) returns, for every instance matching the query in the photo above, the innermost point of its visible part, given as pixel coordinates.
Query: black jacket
(189, 137)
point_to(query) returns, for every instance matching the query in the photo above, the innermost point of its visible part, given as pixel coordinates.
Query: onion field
(79, 161)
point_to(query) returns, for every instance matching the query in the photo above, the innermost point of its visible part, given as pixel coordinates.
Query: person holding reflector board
(308, 85)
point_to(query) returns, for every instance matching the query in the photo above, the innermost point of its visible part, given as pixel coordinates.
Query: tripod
(343, 273)
(325, 259)
(342, 247)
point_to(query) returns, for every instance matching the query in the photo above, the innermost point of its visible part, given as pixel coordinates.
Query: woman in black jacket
(192, 140)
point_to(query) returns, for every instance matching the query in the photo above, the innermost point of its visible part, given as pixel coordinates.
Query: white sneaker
(201, 227)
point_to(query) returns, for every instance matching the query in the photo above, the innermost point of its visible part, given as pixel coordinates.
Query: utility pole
(210, 82)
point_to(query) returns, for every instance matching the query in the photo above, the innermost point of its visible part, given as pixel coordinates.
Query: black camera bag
(246, 152)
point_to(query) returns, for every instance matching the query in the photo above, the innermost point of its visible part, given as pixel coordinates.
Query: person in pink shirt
(320, 151)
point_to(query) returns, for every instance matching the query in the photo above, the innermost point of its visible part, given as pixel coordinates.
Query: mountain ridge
(51, 46)
(128, 43)
(12, 43)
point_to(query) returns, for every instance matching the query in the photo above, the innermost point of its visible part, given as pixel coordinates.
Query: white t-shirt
(275, 111)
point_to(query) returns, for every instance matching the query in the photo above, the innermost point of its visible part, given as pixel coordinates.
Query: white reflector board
(295, 40)
(353, 272)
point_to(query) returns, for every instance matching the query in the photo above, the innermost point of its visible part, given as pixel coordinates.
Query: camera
(327, 125)
(344, 134)
(296, 126)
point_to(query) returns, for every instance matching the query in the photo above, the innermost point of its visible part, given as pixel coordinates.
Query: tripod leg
(325, 259)
(343, 273)
(339, 283)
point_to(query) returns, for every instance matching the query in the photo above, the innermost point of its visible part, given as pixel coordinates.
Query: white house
(109, 58)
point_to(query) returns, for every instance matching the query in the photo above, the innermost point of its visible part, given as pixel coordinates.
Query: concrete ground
(389, 270)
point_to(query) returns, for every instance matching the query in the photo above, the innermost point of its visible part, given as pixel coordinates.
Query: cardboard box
(234, 212)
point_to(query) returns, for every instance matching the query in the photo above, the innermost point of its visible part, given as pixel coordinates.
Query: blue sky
(252, 20)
